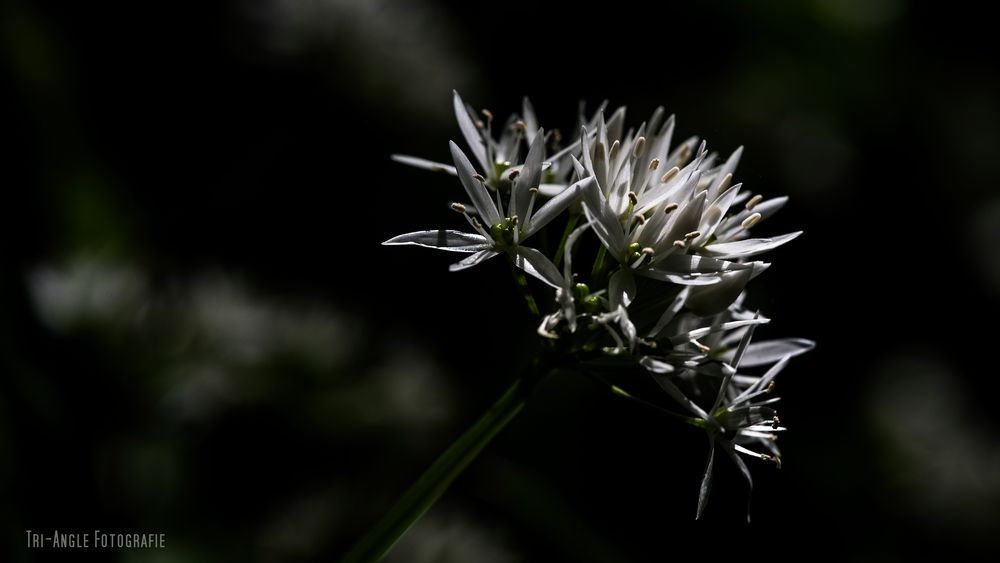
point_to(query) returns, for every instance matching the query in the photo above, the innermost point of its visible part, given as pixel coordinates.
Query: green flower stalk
(663, 236)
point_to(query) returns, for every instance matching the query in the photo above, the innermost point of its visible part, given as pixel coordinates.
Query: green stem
(570, 225)
(522, 287)
(429, 487)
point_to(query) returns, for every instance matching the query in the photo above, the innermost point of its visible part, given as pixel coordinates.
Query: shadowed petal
(749, 247)
(473, 187)
(706, 480)
(441, 239)
(424, 163)
(471, 133)
(770, 351)
(473, 260)
(536, 264)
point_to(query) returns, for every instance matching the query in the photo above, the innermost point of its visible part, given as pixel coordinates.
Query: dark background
(201, 336)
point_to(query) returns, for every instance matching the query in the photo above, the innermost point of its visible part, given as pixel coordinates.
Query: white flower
(505, 229)
(677, 226)
(740, 417)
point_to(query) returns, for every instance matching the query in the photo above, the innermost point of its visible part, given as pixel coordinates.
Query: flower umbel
(664, 237)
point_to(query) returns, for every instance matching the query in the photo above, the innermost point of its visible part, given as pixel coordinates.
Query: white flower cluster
(670, 256)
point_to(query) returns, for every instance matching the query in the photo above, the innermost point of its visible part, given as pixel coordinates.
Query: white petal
(528, 178)
(703, 331)
(554, 207)
(603, 220)
(706, 480)
(424, 163)
(670, 313)
(536, 264)
(680, 279)
(471, 133)
(714, 215)
(693, 264)
(683, 221)
(530, 121)
(473, 260)
(621, 288)
(441, 239)
(713, 299)
(770, 351)
(656, 366)
(728, 168)
(664, 382)
(550, 190)
(474, 188)
(749, 247)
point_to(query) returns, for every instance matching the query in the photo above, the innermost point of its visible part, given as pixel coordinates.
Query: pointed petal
(528, 178)
(603, 220)
(667, 385)
(703, 331)
(656, 366)
(530, 121)
(424, 163)
(770, 351)
(621, 288)
(670, 313)
(706, 480)
(474, 188)
(749, 247)
(554, 207)
(684, 221)
(473, 260)
(471, 133)
(535, 263)
(712, 299)
(680, 279)
(441, 239)
(728, 168)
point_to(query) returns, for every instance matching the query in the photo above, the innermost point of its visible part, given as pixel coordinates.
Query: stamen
(654, 163)
(633, 199)
(640, 218)
(701, 347)
(680, 244)
(458, 207)
(725, 182)
(751, 220)
(531, 203)
(670, 207)
(479, 177)
(639, 144)
(692, 235)
(670, 174)
(647, 251)
(775, 422)
(754, 201)
(476, 223)
(613, 152)
(514, 174)
(480, 124)
(683, 155)
(712, 215)
(519, 125)
(770, 387)
(488, 114)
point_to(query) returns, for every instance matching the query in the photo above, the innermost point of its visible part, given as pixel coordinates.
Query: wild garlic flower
(653, 256)
(505, 230)
(676, 226)
(706, 361)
